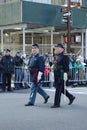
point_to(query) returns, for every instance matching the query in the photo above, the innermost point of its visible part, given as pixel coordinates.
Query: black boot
(71, 100)
(46, 100)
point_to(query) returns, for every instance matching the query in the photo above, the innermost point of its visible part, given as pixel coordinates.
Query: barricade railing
(22, 76)
(78, 74)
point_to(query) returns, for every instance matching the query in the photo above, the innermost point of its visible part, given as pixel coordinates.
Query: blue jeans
(33, 92)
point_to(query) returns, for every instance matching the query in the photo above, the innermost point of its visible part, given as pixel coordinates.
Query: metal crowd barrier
(22, 76)
(78, 74)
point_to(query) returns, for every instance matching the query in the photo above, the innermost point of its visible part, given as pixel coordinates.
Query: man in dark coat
(61, 68)
(8, 65)
(36, 67)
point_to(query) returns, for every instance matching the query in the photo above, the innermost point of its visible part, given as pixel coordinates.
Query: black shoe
(71, 100)
(55, 106)
(46, 100)
(29, 104)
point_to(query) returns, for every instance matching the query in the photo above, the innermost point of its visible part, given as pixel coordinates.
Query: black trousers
(59, 90)
(6, 81)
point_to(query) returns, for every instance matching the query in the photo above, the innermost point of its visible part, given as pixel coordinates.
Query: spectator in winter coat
(8, 65)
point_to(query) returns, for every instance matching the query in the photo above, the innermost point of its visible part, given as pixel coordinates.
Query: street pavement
(15, 116)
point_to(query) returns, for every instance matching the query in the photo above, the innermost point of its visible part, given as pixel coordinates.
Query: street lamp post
(68, 29)
(67, 19)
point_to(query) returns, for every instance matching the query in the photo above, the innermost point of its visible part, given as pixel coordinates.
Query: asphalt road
(15, 116)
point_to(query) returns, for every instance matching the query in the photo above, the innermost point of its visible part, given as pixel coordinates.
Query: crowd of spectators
(77, 70)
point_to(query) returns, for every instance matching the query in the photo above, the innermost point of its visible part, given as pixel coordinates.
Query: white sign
(78, 38)
(67, 14)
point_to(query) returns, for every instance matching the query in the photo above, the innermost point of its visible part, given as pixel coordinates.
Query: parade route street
(15, 116)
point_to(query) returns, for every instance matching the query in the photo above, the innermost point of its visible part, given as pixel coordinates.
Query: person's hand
(65, 76)
(39, 76)
(26, 67)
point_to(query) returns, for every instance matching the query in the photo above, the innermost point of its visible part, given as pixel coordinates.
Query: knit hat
(18, 52)
(27, 54)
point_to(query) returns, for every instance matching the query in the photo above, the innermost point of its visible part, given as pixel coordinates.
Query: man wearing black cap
(61, 68)
(8, 65)
(36, 67)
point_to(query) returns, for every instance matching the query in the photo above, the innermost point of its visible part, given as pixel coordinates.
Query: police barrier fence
(78, 75)
(21, 77)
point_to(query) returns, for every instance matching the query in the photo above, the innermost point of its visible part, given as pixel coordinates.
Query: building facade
(28, 22)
